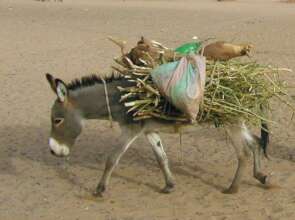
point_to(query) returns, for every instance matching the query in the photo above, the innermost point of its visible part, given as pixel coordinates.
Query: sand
(68, 39)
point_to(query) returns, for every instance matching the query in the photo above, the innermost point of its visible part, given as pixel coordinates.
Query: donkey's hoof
(231, 190)
(100, 191)
(168, 189)
(98, 194)
(262, 178)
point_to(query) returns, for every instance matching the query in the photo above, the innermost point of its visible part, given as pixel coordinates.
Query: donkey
(86, 99)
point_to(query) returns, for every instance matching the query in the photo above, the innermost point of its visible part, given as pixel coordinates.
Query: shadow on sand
(30, 144)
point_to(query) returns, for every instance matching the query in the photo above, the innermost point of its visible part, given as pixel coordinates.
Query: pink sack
(183, 83)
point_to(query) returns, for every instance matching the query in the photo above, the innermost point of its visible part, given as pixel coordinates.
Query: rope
(181, 159)
(107, 101)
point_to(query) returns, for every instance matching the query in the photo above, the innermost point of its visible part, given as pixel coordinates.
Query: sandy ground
(68, 40)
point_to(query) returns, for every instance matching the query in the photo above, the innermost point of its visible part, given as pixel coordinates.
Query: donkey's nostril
(52, 152)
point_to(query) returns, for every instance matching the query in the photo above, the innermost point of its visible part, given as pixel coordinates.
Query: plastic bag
(189, 48)
(182, 83)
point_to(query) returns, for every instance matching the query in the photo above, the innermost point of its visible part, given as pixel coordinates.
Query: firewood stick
(120, 43)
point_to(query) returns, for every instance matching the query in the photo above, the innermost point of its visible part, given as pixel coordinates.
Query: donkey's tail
(264, 138)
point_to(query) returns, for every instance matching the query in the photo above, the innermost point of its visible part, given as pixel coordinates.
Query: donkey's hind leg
(237, 141)
(255, 147)
(113, 160)
(162, 159)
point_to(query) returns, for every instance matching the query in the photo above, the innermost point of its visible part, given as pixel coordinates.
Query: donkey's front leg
(162, 159)
(112, 161)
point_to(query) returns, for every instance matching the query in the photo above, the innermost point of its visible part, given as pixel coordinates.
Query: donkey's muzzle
(57, 149)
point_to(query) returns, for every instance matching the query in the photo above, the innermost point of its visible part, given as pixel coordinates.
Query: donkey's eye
(58, 121)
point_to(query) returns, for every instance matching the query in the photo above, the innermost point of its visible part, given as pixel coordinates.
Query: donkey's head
(66, 119)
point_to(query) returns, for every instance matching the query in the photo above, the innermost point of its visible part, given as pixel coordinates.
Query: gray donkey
(86, 99)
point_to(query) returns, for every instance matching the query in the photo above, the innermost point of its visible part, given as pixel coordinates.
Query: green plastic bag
(182, 83)
(188, 48)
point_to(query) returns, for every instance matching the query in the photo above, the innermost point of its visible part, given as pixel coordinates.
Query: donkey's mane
(91, 80)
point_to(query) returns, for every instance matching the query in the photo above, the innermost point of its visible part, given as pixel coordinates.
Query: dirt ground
(68, 39)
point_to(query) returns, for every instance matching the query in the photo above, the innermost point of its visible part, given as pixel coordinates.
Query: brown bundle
(221, 50)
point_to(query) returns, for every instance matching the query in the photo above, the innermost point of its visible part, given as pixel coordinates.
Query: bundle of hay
(239, 89)
(234, 89)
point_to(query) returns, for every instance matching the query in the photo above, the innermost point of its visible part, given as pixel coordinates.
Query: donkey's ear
(61, 90)
(51, 81)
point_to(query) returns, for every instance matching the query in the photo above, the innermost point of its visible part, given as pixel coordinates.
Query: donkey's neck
(91, 100)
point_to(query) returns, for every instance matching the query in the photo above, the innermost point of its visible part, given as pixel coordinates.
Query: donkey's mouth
(54, 154)
(57, 149)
